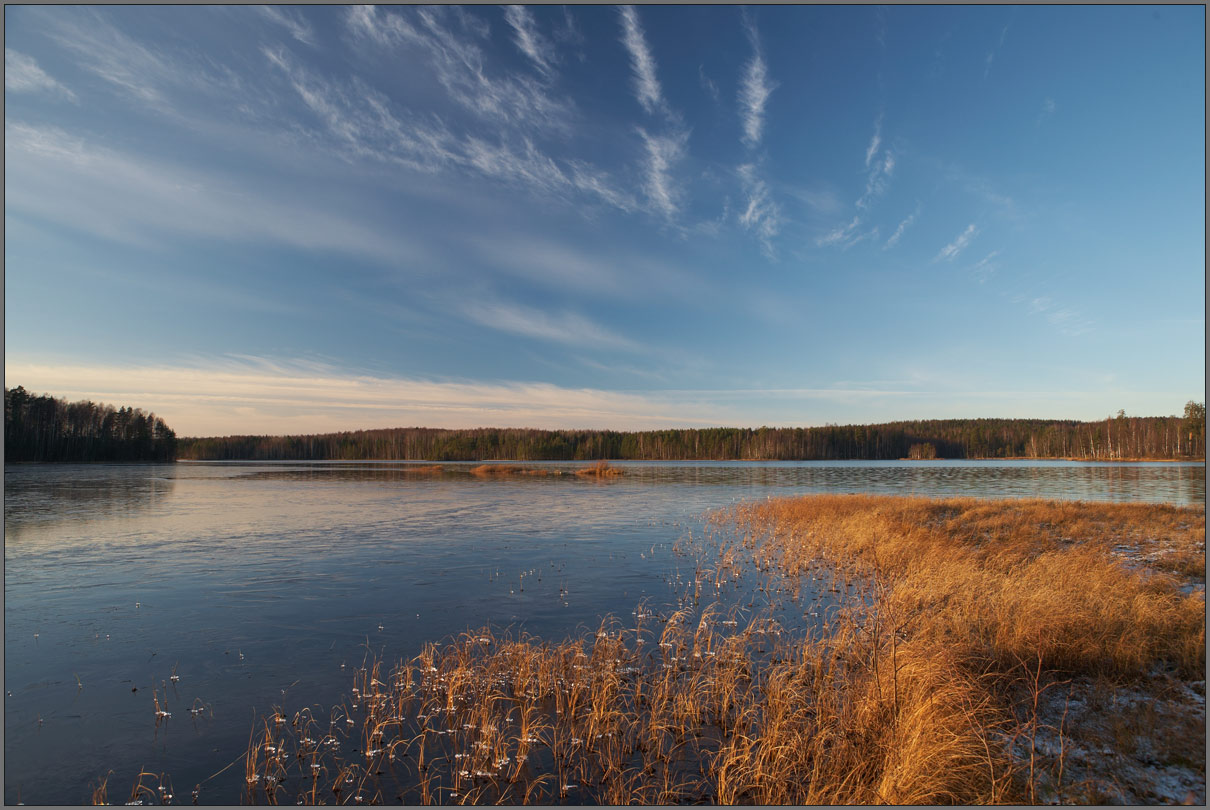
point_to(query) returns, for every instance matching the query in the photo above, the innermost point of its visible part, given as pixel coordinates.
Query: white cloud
(754, 91)
(1040, 305)
(529, 40)
(22, 75)
(568, 33)
(878, 171)
(1067, 320)
(569, 328)
(841, 235)
(950, 251)
(585, 270)
(363, 123)
(58, 176)
(295, 24)
(985, 268)
(707, 83)
(821, 201)
(249, 395)
(878, 180)
(529, 165)
(663, 152)
(875, 142)
(108, 53)
(761, 215)
(459, 64)
(903, 226)
(991, 55)
(366, 124)
(647, 86)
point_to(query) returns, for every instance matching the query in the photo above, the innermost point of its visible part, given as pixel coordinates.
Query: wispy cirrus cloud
(875, 142)
(663, 152)
(252, 395)
(762, 215)
(60, 177)
(628, 275)
(459, 65)
(985, 268)
(526, 165)
(950, 251)
(152, 75)
(294, 23)
(991, 55)
(707, 83)
(523, 110)
(22, 75)
(568, 33)
(822, 201)
(362, 120)
(569, 328)
(880, 165)
(845, 236)
(367, 124)
(1067, 320)
(754, 90)
(903, 226)
(642, 63)
(529, 40)
(879, 169)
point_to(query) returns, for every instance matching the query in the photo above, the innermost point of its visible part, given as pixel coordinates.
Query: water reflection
(39, 494)
(252, 577)
(1177, 482)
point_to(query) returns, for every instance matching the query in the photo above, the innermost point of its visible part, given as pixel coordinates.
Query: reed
(489, 470)
(938, 638)
(600, 469)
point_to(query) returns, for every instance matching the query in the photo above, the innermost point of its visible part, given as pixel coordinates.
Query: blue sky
(301, 219)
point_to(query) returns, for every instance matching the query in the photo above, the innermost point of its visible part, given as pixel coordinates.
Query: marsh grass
(941, 644)
(600, 469)
(487, 470)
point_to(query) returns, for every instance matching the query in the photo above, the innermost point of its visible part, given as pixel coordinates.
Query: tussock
(510, 469)
(600, 469)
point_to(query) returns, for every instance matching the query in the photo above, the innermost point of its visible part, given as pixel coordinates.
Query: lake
(266, 584)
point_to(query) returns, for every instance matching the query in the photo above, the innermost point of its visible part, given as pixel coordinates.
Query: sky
(296, 219)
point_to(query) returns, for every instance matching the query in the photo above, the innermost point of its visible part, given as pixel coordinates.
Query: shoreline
(958, 659)
(666, 460)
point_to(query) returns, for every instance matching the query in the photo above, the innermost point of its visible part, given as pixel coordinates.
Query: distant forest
(1120, 437)
(43, 428)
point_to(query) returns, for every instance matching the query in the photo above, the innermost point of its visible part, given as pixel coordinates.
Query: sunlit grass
(600, 469)
(937, 636)
(510, 469)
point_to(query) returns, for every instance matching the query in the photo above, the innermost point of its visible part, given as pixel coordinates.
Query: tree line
(1120, 437)
(40, 427)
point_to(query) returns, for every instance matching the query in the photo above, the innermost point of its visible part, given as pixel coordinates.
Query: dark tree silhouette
(43, 428)
(1152, 437)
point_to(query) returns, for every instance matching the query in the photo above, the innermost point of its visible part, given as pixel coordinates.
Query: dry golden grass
(949, 629)
(509, 469)
(1006, 581)
(600, 469)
